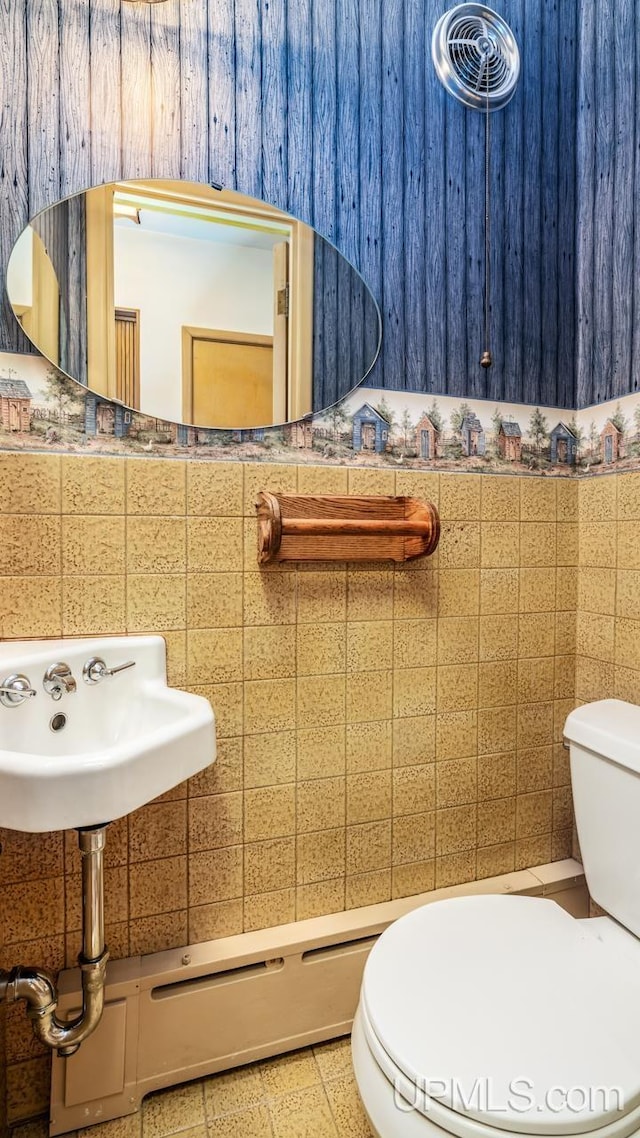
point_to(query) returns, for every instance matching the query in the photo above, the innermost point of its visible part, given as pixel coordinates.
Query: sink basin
(103, 750)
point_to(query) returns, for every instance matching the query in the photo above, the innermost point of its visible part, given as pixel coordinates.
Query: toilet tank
(604, 749)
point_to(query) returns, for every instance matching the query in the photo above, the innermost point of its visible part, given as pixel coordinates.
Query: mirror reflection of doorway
(228, 378)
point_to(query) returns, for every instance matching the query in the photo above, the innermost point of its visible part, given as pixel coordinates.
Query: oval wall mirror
(193, 304)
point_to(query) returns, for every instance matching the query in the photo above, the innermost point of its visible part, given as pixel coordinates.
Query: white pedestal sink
(98, 752)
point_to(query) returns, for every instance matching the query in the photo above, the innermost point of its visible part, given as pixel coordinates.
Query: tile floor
(307, 1094)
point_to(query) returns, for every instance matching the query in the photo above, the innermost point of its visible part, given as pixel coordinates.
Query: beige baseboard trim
(185, 1013)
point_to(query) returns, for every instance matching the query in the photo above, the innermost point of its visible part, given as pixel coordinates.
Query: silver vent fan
(476, 56)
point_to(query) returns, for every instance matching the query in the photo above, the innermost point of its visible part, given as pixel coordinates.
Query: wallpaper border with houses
(40, 410)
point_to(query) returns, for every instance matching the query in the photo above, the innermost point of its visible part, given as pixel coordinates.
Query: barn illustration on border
(15, 405)
(510, 441)
(611, 444)
(564, 445)
(370, 430)
(426, 438)
(473, 437)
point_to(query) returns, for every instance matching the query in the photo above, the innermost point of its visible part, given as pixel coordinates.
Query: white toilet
(493, 1015)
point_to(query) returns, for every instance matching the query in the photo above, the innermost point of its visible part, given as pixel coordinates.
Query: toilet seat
(448, 988)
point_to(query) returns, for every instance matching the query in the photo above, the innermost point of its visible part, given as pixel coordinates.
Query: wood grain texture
(43, 101)
(75, 98)
(333, 109)
(568, 32)
(604, 182)
(414, 195)
(608, 203)
(513, 240)
(194, 109)
(435, 180)
(392, 369)
(108, 99)
(14, 178)
(585, 194)
(221, 84)
(295, 527)
(136, 81)
(165, 89)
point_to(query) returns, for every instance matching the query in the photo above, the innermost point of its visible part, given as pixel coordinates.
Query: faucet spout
(58, 681)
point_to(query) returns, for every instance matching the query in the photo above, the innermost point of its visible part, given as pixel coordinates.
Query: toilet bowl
(486, 1016)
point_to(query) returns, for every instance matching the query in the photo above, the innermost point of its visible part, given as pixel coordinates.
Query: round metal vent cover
(476, 56)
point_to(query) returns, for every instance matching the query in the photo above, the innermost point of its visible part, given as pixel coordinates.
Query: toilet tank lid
(609, 727)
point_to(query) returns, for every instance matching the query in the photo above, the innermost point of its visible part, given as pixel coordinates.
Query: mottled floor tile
(169, 1112)
(302, 1114)
(334, 1058)
(233, 1090)
(294, 1072)
(252, 1123)
(346, 1108)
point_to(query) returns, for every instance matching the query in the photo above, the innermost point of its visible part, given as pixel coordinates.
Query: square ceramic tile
(156, 545)
(214, 600)
(414, 789)
(460, 497)
(321, 751)
(35, 481)
(155, 486)
(214, 488)
(320, 856)
(362, 889)
(269, 652)
(322, 597)
(413, 740)
(320, 804)
(321, 648)
(500, 499)
(269, 812)
(368, 797)
(270, 759)
(92, 485)
(458, 592)
(93, 544)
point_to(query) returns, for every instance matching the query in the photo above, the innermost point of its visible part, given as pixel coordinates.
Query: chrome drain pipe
(38, 988)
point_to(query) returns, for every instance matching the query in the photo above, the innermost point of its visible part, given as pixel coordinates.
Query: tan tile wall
(381, 730)
(608, 622)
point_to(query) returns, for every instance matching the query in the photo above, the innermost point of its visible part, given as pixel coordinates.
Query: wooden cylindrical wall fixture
(296, 527)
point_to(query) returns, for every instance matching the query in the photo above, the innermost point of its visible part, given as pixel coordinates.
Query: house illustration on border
(564, 445)
(473, 439)
(299, 434)
(15, 405)
(426, 438)
(510, 441)
(611, 445)
(104, 418)
(370, 430)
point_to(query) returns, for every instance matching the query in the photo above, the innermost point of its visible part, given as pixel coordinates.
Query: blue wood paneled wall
(608, 202)
(331, 109)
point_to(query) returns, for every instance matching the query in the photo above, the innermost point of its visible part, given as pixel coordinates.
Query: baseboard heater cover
(190, 1012)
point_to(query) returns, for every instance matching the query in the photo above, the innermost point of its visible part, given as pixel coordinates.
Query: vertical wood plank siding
(331, 108)
(608, 202)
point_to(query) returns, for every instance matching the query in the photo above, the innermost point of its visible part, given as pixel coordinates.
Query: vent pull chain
(486, 359)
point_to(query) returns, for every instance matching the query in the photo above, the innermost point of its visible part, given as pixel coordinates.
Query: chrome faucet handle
(95, 670)
(58, 680)
(15, 689)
